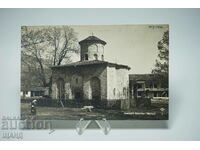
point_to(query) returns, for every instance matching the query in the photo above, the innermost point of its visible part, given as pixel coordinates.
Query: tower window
(86, 56)
(96, 56)
(76, 80)
(102, 57)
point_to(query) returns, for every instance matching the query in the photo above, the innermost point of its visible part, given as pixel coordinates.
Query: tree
(61, 41)
(43, 47)
(162, 63)
(33, 45)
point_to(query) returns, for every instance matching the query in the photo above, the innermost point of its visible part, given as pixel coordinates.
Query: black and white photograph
(100, 75)
(117, 72)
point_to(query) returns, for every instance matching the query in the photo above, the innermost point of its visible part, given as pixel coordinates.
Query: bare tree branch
(46, 46)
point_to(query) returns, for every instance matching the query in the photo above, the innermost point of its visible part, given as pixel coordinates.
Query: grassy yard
(59, 113)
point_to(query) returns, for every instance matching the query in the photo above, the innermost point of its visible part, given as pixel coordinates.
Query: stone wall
(95, 71)
(92, 49)
(77, 79)
(117, 83)
(112, 89)
(113, 84)
(122, 83)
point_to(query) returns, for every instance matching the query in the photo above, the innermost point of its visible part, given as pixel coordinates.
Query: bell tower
(92, 48)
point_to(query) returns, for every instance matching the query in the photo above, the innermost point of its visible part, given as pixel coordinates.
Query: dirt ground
(59, 113)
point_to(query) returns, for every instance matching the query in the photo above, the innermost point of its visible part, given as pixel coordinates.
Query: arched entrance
(96, 88)
(78, 94)
(61, 88)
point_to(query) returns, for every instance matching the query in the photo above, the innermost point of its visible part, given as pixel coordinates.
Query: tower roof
(93, 39)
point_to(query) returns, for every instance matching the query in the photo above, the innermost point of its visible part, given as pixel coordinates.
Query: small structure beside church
(28, 92)
(92, 78)
(147, 89)
(148, 84)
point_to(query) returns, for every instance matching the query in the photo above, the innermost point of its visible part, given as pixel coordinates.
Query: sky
(132, 45)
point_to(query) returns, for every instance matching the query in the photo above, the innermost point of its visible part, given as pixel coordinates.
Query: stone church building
(92, 78)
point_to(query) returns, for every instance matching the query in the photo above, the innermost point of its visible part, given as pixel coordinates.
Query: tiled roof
(142, 77)
(93, 39)
(32, 88)
(92, 62)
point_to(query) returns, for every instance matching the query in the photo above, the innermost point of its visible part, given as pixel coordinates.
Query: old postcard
(117, 72)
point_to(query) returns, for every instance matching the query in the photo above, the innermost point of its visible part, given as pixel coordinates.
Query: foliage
(42, 47)
(162, 63)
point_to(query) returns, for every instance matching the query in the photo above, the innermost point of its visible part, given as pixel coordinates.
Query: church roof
(143, 77)
(93, 39)
(92, 62)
